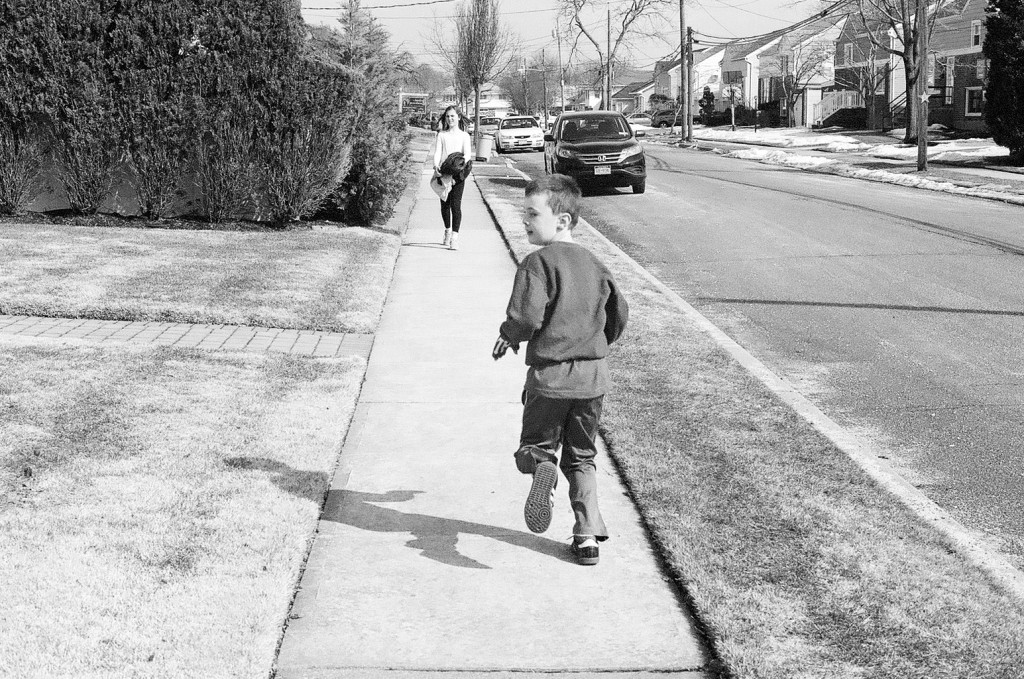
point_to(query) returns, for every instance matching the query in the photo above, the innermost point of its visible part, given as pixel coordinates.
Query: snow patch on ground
(963, 151)
(773, 157)
(771, 136)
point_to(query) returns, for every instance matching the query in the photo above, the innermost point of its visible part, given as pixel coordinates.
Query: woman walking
(452, 138)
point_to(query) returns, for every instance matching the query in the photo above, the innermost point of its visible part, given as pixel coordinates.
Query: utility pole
(526, 89)
(921, 22)
(684, 72)
(561, 75)
(688, 120)
(544, 84)
(608, 66)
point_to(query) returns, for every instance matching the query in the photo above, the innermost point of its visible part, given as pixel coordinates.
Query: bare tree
(628, 17)
(898, 18)
(481, 50)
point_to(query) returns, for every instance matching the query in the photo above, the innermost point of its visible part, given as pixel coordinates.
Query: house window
(975, 101)
(848, 53)
(981, 68)
(950, 68)
(975, 33)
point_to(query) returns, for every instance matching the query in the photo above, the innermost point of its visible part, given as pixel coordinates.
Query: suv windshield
(587, 129)
(516, 123)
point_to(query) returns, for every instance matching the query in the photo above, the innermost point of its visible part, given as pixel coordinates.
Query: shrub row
(234, 103)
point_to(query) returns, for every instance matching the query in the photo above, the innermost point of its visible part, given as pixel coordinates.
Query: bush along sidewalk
(795, 563)
(238, 111)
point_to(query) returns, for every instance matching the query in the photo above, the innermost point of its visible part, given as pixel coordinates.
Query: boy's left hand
(501, 346)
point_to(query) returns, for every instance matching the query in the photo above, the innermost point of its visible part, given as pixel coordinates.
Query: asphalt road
(899, 312)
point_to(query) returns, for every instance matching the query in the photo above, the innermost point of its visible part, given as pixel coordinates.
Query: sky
(411, 22)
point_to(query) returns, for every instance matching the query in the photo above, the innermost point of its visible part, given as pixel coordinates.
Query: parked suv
(596, 148)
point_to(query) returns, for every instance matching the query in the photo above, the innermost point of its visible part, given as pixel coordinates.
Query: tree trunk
(910, 135)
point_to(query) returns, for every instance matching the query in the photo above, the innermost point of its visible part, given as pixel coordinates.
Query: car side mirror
(549, 137)
(640, 133)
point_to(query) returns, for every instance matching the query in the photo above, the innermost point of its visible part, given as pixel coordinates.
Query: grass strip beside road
(796, 563)
(157, 504)
(322, 280)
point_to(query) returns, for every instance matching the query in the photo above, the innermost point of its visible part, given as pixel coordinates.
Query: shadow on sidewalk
(436, 536)
(307, 485)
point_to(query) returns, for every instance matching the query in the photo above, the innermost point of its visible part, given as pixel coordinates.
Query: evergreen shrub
(22, 151)
(21, 165)
(377, 132)
(1004, 93)
(306, 150)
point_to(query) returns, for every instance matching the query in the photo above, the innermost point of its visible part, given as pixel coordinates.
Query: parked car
(666, 117)
(518, 132)
(489, 125)
(596, 148)
(639, 118)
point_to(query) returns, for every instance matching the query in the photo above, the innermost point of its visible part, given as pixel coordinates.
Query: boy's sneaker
(539, 503)
(584, 548)
(447, 237)
(453, 242)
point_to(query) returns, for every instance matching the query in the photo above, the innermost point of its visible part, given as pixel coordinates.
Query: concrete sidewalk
(422, 563)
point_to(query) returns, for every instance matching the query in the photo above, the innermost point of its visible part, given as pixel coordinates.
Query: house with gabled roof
(633, 97)
(741, 67)
(957, 68)
(872, 83)
(707, 72)
(798, 68)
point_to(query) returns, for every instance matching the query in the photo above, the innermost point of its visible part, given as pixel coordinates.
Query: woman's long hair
(444, 119)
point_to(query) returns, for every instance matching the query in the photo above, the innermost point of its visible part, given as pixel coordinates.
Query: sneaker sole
(587, 560)
(537, 511)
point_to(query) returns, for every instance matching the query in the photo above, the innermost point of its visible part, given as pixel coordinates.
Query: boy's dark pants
(571, 423)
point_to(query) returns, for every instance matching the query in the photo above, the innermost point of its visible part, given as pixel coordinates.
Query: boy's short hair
(563, 194)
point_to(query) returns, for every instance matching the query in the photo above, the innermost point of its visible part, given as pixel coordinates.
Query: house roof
(706, 53)
(631, 89)
(740, 49)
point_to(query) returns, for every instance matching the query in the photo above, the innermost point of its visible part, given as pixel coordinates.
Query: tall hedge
(1004, 93)
(224, 101)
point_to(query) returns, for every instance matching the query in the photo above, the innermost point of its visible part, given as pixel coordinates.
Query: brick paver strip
(201, 336)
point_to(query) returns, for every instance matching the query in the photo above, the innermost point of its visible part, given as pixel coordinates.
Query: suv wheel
(640, 186)
(663, 123)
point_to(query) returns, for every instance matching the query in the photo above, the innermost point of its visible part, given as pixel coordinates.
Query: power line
(408, 4)
(781, 31)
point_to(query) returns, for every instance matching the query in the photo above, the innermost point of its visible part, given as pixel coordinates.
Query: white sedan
(519, 132)
(638, 118)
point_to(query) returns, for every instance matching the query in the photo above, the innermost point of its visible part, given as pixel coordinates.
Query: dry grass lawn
(323, 280)
(795, 562)
(156, 504)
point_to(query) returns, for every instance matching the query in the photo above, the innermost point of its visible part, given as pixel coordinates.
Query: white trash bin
(483, 152)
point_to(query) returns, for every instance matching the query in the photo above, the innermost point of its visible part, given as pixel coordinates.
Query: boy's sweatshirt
(566, 305)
